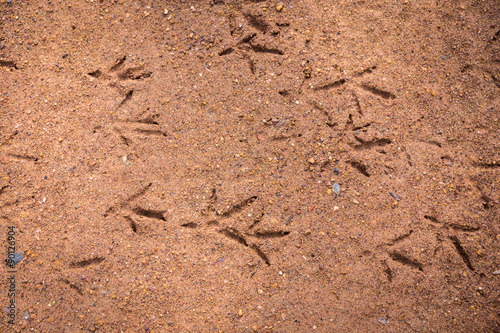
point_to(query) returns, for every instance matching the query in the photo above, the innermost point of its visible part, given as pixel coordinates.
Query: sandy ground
(239, 166)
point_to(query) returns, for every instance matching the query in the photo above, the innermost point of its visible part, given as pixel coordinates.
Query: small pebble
(355, 201)
(336, 171)
(336, 189)
(311, 160)
(496, 272)
(383, 321)
(240, 312)
(279, 7)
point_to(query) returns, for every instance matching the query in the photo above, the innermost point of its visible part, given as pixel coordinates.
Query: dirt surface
(175, 166)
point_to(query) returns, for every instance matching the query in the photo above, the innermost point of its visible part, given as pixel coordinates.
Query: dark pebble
(395, 196)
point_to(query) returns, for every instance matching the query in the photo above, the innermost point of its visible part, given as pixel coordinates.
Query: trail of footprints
(351, 112)
(117, 74)
(251, 43)
(412, 263)
(214, 221)
(361, 144)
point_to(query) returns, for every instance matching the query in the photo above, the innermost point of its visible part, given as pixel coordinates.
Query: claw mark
(361, 168)
(488, 202)
(132, 223)
(488, 165)
(257, 22)
(432, 142)
(370, 144)
(461, 252)
(150, 132)
(251, 64)
(97, 73)
(119, 63)
(461, 227)
(282, 137)
(388, 272)
(271, 234)
(256, 221)
(432, 219)
(263, 49)
(128, 95)
(8, 63)
(232, 24)
(366, 71)
(213, 197)
(24, 157)
(3, 188)
(87, 262)
(358, 106)
(140, 193)
(236, 208)
(261, 254)
(495, 80)
(405, 260)
(190, 225)
(247, 38)
(497, 35)
(134, 196)
(147, 120)
(330, 85)
(212, 223)
(125, 140)
(361, 127)
(234, 235)
(408, 158)
(226, 51)
(72, 286)
(131, 74)
(400, 238)
(153, 214)
(381, 93)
